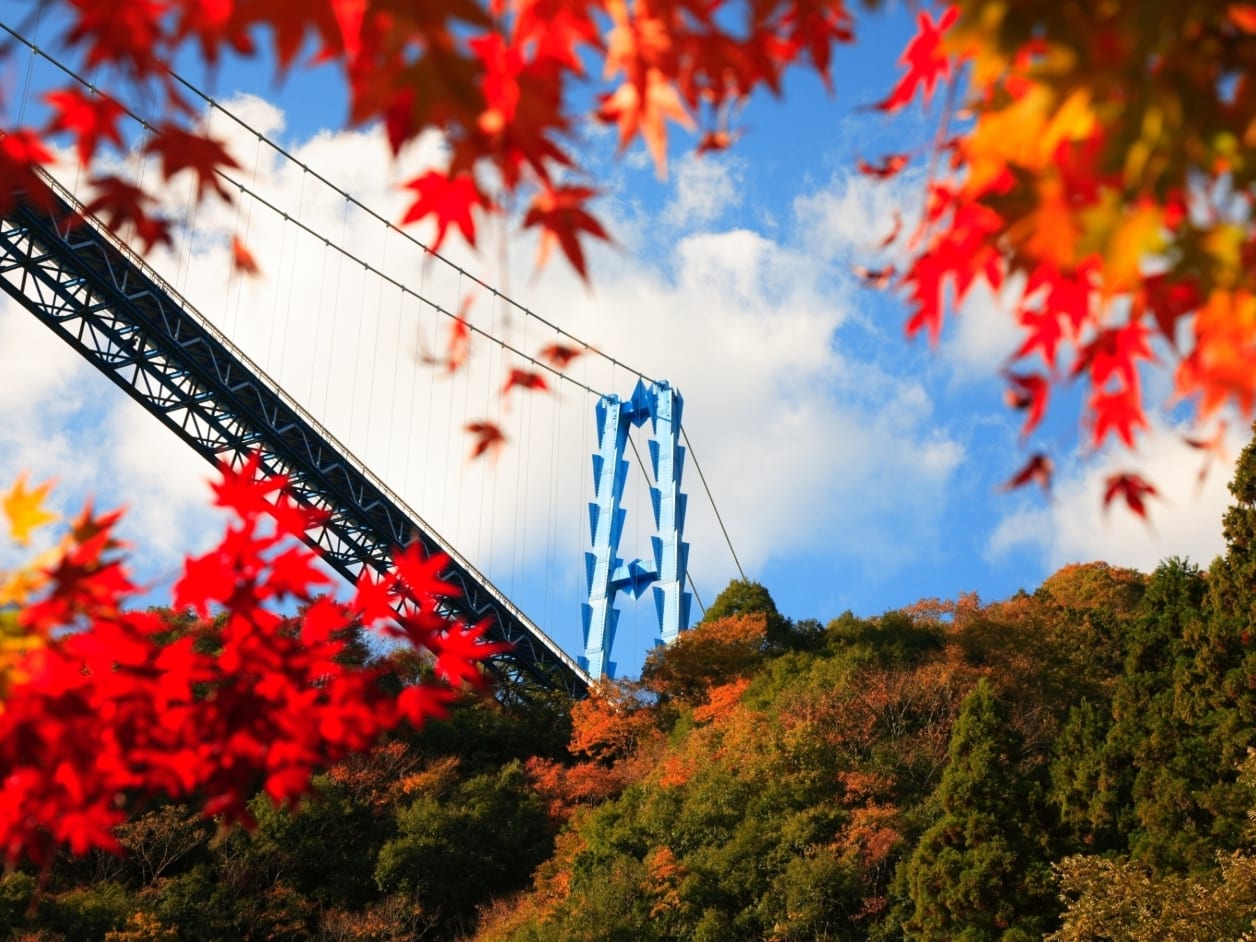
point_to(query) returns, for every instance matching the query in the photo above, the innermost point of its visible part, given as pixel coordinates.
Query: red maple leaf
(1038, 469)
(1028, 393)
(1119, 412)
(127, 33)
(21, 151)
(1115, 352)
(121, 203)
(524, 379)
(460, 650)
(449, 200)
(488, 438)
(1132, 489)
(887, 168)
(924, 58)
(1044, 330)
(375, 596)
(90, 117)
(560, 213)
(716, 140)
(459, 346)
(184, 150)
(559, 355)
(293, 23)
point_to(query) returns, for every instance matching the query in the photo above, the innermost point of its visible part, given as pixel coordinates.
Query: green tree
(1219, 689)
(459, 850)
(1156, 748)
(1083, 792)
(980, 871)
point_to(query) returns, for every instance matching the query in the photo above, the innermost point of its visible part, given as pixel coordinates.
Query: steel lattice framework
(108, 305)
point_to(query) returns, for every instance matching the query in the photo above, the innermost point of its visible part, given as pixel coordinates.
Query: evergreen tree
(1159, 760)
(1219, 689)
(1086, 788)
(979, 872)
(744, 597)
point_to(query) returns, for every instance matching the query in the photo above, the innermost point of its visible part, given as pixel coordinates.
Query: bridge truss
(100, 297)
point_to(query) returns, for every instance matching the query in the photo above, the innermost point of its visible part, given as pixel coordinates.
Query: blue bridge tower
(608, 574)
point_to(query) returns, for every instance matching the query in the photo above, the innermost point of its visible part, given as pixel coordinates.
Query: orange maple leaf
(643, 108)
(242, 258)
(874, 277)
(896, 230)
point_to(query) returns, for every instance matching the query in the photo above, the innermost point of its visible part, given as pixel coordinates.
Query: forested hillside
(1070, 763)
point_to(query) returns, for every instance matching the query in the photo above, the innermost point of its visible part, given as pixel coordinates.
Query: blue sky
(853, 469)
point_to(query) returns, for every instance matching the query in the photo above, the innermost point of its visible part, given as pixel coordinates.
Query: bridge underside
(103, 301)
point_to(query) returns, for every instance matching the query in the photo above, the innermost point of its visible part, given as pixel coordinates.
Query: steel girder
(108, 305)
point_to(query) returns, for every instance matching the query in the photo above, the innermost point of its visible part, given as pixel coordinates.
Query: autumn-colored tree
(1118, 901)
(712, 653)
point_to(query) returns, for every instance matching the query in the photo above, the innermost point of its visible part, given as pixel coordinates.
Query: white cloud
(983, 336)
(706, 188)
(853, 214)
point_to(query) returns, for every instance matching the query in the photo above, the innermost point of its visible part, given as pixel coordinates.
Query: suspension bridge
(336, 368)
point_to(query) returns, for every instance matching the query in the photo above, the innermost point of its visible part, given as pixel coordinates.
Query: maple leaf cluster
(1101, 181)
(101, 707)
(494, 79)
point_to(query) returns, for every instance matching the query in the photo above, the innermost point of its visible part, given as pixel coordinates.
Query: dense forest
(1070, 764)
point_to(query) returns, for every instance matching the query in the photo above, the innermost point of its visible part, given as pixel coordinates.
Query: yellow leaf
(1224, 242)
(1026, 133)
(17, 587)
(25, 509)
(1138, 235)
(1073, 121)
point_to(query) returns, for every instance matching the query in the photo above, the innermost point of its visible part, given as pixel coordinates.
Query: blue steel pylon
(607, 573)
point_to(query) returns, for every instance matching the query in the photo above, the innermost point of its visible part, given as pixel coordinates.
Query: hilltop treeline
(1072, 763)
